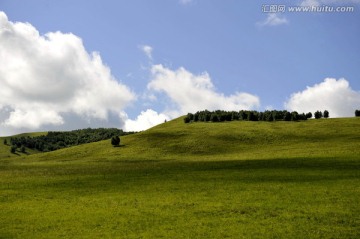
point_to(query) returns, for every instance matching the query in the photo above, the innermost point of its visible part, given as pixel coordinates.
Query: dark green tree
(214, 117)
(287, 116)
(115, 141)
(294, 116)
(357, 113)
(187, 119)
(318, 114)
(326, 114)
(22, 149)
(269, 116)
(13, 149)
(242, 115)
(309, 115)
(5, 141)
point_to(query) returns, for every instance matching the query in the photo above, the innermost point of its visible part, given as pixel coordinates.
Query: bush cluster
(57, 140)
(249, 115)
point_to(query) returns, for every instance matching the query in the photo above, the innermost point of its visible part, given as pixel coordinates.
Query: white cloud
(273, 19)
(33, 119)
(190, 93)
(43, 77)
(185, 2)
(145, 120)
(333, 95)
(147, 50)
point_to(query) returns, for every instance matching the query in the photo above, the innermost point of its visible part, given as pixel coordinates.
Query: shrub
(115, 141)
(13, 149)
(326, 114)
(357, 113)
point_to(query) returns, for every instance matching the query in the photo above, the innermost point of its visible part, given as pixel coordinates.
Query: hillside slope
(5, 148)
(230, 140)
(199, 180)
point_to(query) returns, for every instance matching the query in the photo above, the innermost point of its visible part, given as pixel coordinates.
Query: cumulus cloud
(145, 120)
(190, 93)
(274, 19)
(147, 50)
(43, 77)
(333, 95)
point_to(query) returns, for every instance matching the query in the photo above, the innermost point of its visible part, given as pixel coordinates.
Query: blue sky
(227, 49)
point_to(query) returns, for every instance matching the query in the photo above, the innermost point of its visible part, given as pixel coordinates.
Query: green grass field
(5, 149)
(198, 180)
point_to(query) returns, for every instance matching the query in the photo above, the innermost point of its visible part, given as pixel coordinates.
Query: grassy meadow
(200, 180)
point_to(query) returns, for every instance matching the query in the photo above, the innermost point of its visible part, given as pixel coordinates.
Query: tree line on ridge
(251, 115)
(58, 140)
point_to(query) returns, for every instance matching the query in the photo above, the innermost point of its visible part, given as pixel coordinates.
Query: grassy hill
(227, 141)
(199, 180)
(5, 149)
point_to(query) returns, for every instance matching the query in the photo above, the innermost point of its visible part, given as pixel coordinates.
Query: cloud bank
(145, 120)
(333, 95)
(43, 77)
(181, 92)
(190, 93)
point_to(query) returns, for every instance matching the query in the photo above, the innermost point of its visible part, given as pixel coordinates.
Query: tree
(326, 114)
(294, 116)
(5, 141)
(13, 149)
(309, 115)
(287, 116)
(115, 141)
(214, 117)
(318, 114)
(22, 149)
(357, 113)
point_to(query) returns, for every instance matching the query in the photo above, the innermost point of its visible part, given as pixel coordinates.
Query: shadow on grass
(119, 146)
(109, 175)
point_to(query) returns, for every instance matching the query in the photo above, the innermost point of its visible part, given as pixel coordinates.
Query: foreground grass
(233, 180)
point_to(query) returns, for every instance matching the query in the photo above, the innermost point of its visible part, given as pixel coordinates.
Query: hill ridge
(227, 140)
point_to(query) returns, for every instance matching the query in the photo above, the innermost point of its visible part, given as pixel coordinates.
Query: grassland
(5, 149)
(200, 180)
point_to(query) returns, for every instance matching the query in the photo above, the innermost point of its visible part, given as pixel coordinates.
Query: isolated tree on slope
(115, 141)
